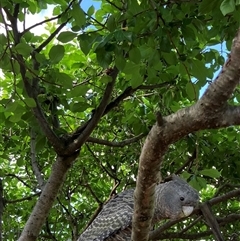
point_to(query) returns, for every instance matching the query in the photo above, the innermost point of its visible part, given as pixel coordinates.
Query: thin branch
(195, 236)
(224, 186)
(129, 91)
(22, 199)
(19, 179)
(51, 37)
(211, 221)
(191, 225)
(84, 134)
(34, 162)
(102, 166)
(113, 4)
(116, 144)
(154, 235)
(190, 160)
(100, 203)
(48, 20)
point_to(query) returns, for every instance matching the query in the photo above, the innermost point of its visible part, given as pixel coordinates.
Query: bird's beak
(187, 210)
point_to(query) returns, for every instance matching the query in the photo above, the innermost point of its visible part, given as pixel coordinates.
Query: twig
(116, 144)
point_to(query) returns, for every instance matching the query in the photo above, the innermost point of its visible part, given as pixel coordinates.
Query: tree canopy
(94, 100)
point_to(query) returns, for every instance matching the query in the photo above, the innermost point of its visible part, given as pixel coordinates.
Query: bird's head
(175, 199)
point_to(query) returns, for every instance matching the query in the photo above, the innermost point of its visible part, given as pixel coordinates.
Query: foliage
(166, 54)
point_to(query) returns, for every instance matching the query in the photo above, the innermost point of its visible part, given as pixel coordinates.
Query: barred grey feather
(113, 223)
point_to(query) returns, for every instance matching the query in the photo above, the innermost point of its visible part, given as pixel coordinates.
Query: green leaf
(122, 35)
(227, 6)
(210, 173)
(136, 80)
(67, 36)
(30, 102)
(20, 162)
(15, 118)
(120, 62)
(79, 15)
(111, 24)
(79, 107)
(188, 33)
(86, 42)
(131, 68)
(195, 184)
(56, 53)
(170, 58)
(3, 39)
(65, 80)
(135, 55)
(91, 11)
(192, 91)
(23, 49)
(199, 70)
(104, 58)
(106, 79)
(80, 90)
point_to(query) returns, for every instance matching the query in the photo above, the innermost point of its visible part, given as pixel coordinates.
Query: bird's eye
(181, 198)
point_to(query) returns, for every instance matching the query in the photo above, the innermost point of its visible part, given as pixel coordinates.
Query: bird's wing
(116, 215)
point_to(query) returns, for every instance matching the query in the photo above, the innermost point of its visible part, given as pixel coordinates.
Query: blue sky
(86, 4)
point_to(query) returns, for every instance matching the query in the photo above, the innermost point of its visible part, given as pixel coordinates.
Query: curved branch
(208, 112)
(115, 144)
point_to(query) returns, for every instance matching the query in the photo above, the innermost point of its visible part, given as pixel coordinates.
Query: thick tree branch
(46, 199)
(208, 112)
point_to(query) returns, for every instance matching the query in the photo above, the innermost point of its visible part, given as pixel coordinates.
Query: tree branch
(211, 221)
(48, 20)
(22, 199)
(83, 134)
(208, 112)
(156, 234)
(34, 162)
(43, 206)
(115, 144)
(51, 37)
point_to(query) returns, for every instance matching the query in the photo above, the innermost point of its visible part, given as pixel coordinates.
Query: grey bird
(174, 199)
